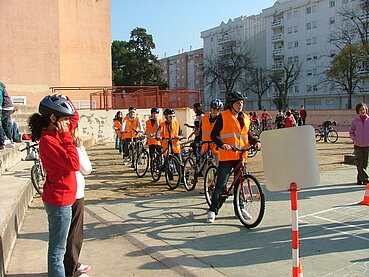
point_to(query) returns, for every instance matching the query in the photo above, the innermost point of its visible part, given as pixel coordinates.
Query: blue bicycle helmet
(216, 104)
(155, 110)
(57, 105)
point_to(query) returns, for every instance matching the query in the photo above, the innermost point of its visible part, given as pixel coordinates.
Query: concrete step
(16, 194)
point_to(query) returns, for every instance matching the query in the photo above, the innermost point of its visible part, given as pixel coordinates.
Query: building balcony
(277, 38)
(278, 51)
(364, 18)
(225, 39)
(277, 66)
(278, 23)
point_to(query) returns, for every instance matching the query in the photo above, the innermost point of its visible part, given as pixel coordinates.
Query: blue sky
(174, 24)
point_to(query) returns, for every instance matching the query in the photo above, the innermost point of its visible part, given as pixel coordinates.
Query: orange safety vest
(206, 128)
(117, 127)
(233, 135)
(174, 132)
(151, 130)
(130, 126)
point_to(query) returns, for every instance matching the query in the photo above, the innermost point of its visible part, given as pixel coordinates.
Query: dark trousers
(154, 148)
(5, 126)
(361, 162)
(224, 170)
(125, 143)
(75, 239)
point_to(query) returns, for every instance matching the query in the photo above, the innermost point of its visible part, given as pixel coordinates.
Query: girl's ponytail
(36, 124)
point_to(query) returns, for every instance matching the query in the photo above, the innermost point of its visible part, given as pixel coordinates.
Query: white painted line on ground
(328, 210)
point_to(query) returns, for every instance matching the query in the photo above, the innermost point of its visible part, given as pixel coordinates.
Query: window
(289, 15)
(295, 29)
(315, 72)
(344, 1)
(313, 8)
(314, 40)
(308, 41)
(295, 14)
(297, 89)
(332, 20)
(309, 57)
(290, 60)
(308, 10)
(289, 30)
(332, 53)
(315, 88)
(315, 56)
(308, 88)
(290, 44)
(308, 26)
(313, 25)
(309, 72)
(211, 39)
(332, 3)
(296, 44)
(296, 59)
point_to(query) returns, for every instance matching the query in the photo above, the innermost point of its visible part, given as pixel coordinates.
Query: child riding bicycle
(236, 133)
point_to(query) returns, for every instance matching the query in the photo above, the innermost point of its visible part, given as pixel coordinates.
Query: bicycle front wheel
(318, 135)
(156, 164)
(37, 178)
(190, 174)
(332, 136)
(173, 172)
(142, 164)
(249, 202)
(210, 180)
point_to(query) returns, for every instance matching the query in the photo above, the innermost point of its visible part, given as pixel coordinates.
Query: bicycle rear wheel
(173, 172)
(156, 164)
(210, 180)
(190, 174)
(37, 178)
(318, 135)
(142, 163)
(249, 202)
(332, 136)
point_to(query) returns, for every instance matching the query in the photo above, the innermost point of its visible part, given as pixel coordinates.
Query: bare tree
(227, 69)
(259, 83)
(283, 80)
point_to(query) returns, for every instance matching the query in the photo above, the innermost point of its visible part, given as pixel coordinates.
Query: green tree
(346, 70)
(134, 64)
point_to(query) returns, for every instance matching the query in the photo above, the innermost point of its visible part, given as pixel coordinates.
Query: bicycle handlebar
(29, 147)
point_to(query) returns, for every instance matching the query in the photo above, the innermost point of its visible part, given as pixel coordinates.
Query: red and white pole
(296, 265)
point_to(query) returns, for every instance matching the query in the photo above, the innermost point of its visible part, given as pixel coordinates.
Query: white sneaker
(83, 275)
(125, 161)
(245, 214)
(211, 217)
(83, 268)
(7, 141)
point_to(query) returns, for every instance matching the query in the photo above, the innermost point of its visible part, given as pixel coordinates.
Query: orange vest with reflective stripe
(118, 126)
(151, 132)
(130, 126)
(174, 132)
(206, 128)
(233, 135)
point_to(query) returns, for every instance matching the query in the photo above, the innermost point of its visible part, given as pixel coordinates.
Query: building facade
(185, 70)
(54, 43)
(291, 32)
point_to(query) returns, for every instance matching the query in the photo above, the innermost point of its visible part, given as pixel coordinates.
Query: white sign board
(289, 155)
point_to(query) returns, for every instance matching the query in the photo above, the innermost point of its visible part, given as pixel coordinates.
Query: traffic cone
(366, 196)
(300, 270)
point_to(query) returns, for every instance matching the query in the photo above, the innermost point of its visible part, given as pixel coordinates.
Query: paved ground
(166, 234)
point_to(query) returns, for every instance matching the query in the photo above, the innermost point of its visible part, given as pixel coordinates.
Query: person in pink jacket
(359, 133)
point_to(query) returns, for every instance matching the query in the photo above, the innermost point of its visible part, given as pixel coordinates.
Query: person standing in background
(303, 115)
(7, 109)
(359, 133)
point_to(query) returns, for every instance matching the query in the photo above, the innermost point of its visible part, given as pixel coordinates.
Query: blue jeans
(59, 218)
(224, 170)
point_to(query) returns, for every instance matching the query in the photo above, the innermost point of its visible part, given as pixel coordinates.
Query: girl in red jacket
(52, 127)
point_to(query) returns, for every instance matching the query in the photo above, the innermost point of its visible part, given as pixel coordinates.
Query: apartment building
(246, 33)
(185, 70)
(302, 32)
(299, 32)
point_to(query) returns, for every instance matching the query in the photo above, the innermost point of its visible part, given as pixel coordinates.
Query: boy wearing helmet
(152, 127)
(52, 127)
(170, 129)
(236, 132)
(207, 124)
(131, 126)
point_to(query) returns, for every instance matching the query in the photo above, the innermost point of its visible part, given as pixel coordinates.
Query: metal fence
(123, 97)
